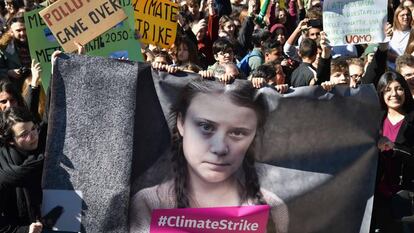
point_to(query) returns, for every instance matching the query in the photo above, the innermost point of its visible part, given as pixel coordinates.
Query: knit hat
(277, 26)
(372, 48)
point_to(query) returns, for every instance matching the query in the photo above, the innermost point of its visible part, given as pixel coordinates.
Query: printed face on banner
(156, 22)
(81, 20)
(216, 135)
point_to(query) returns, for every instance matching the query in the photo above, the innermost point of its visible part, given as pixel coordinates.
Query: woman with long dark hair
(396, 165)
(213, 157)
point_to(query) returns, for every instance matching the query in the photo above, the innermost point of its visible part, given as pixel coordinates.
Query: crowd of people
(279, 44)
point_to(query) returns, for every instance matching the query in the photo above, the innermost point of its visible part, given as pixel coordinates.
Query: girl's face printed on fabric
(25, 136)
(216, 136)
(394, 96)
(182, 53)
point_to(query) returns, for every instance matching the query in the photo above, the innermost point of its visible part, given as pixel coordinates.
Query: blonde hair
(396, 25)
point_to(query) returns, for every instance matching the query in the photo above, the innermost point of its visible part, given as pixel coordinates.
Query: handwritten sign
(117, 42)
(354, 21)
(81, 20)
(156, 21)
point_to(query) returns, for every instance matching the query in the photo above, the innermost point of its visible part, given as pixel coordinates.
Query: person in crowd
(21, 165)
(227, 28)
(161, 56)
(401, 33)
(9, 96)
(33, 92)
(278, 32)
(304, 29)
(256, 57)
(272, 51)
(186, 51)
(15, 61)
(285, 17)
(223, 53)
(269, 74)
(225, 73)
(195, 12)
(375, 67)
(395, 175)
(340, 72)
(405, 66)
(303, 75)
(222, 120)
(410, 44)
(206, 34)
(12, 7)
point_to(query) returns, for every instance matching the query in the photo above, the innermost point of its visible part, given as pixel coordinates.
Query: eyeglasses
(355, 76)
(25, 135)
(228, 53)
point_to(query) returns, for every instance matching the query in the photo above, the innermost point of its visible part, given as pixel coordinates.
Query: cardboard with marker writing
(117, 42)
(156, 21)
(81, 20)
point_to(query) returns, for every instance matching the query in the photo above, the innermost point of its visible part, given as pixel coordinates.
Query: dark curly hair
(9, 118)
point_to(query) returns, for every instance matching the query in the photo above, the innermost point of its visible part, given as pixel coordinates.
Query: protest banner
(118, 42)
(156, 21)
(325, 179)
(81, 20)
(248, 219)
(354, 21)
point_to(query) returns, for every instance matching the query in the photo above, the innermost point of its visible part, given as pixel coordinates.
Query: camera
(315, 23)
(24, 72)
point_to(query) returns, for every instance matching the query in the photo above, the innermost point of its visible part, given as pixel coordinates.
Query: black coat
(20, 186)
(403, 156)
(404, 149)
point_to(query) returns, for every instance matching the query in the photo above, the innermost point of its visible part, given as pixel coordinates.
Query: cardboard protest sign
(354, 22)
(81, 20)
(316, 161)
(156, 21)
(116, 43)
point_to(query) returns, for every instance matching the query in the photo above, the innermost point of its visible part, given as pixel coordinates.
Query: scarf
(20, 179)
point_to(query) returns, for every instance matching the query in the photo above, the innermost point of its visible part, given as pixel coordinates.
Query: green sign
(118, 42)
